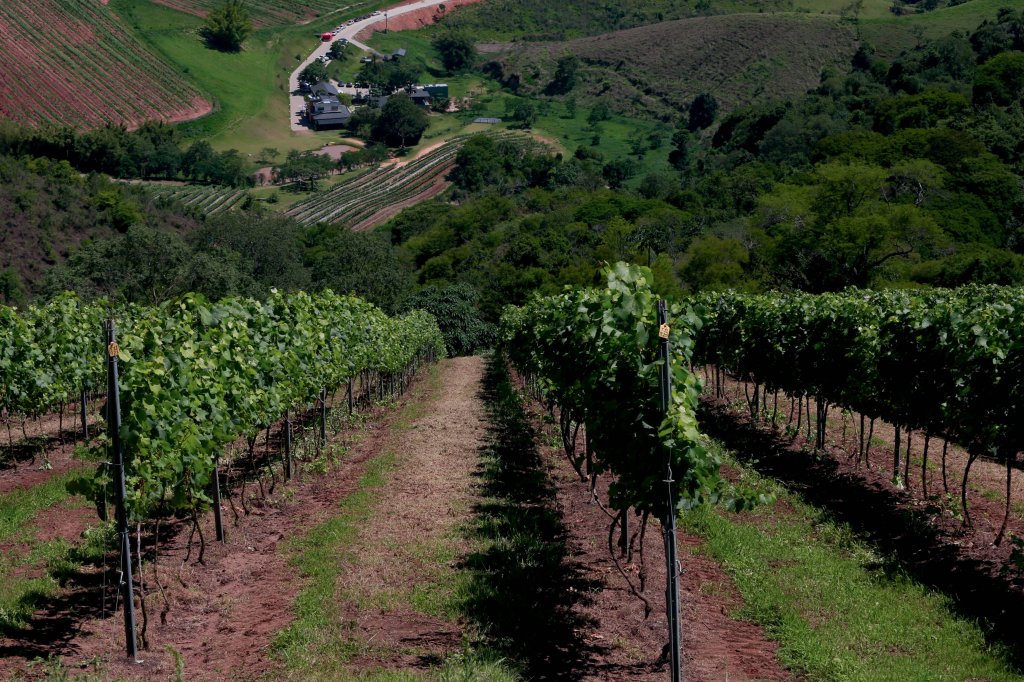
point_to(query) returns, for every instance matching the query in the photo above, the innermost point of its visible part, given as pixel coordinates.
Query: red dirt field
(224, 613)
(71, 62)
(412, 20)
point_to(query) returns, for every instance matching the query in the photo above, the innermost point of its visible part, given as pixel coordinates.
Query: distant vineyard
(265, 12)
(71, 62)
(208, 199)
(356, 201)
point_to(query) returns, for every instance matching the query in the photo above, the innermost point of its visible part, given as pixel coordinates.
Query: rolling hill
(658, 69)
(72, 62)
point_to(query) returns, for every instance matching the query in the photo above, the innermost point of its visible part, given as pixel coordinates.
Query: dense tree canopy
(401, 122)
(228, 26)
(457, 50)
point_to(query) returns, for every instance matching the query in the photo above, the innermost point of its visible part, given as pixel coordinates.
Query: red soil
(412, 20)
(74, 63)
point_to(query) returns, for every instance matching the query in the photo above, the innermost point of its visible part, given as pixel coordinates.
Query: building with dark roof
(438, 90)
(326, 111)
(420, 96)
(325, 88)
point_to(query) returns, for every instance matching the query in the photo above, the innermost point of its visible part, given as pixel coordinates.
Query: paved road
(296, 103)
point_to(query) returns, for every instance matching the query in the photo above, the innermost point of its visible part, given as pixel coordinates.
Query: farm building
(419, 96)
(326, 111)
(324, 88)
(437, 90)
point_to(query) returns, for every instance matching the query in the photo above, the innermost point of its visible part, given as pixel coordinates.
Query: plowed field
(72, 62)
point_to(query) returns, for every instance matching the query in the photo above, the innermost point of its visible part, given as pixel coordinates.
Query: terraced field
(72, 62)
(369, 199)
(270, 13)
(209, 199)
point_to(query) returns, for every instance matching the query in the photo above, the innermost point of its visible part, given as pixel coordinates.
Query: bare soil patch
(410, 21)
(625, 646)
(334, 151)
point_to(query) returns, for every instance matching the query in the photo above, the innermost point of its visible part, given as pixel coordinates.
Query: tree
(599, 113)
(461, 324)
(477, 164)
(570, 107)
(401, 121)
(456, 50)
(337, 51)
(1000, 80)
(524, 112)
(565, 75)
(680, 157)
(618, 171)
(268, 154)
(314, 73)
(703, 110)
(228, 26)
(305, 167)
(364, 263)
(269, 246)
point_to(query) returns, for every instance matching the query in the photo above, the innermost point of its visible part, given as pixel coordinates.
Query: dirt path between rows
(429, 496)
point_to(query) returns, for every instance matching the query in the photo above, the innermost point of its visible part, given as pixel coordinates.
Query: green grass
(18, 507)
(21, 589)
(838, 609)
(890, 35)
(22, 592)
(316, 643)
(614, 138)
(250, 87)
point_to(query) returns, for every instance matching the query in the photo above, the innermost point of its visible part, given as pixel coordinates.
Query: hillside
(270, 13)
(543, 20)
(891, 35)
(658, 69)
(72, 62)
(47, 211)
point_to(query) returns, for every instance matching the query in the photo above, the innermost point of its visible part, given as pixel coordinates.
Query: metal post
(669, 518)
(218, 516)
(323, 416)
(114, 401)
(85, 422)
(287, 447)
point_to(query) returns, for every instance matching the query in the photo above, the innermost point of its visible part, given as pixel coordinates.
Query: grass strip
(19, 506)
(62, 561)
(315, 643)
(318, 645)
(839, 610)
